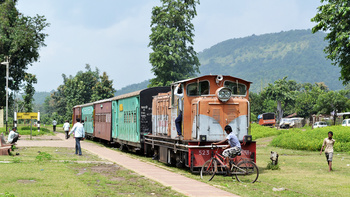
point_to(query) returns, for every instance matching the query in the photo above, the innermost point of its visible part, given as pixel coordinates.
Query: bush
(259, 131)
(26, 131)
(43, 156)
(312, 139)
(270, 166)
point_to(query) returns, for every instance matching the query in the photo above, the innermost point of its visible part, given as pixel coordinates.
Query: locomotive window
(236, 88)
(196, 89)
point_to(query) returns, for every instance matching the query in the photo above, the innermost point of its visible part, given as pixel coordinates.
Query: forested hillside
(133, 87)
(39, 97)
(263, 59)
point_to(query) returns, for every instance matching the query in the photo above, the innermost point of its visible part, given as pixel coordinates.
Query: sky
(113, 35)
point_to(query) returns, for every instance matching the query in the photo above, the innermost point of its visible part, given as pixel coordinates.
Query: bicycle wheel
(209, 169)
(246, 172)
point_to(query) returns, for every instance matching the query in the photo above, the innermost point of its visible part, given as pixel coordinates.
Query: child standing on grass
(329, 143)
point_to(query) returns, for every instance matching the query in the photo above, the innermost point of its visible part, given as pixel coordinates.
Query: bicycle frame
(220, 158)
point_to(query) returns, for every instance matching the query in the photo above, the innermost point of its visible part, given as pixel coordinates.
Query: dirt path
(177, 182)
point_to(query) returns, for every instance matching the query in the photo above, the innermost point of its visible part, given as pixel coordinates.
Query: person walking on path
(329, 143)
(178, 120)
(66, 127)
(54, 123)
(79, 134)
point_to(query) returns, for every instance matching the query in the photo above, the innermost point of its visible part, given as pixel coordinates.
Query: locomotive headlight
(223, 94)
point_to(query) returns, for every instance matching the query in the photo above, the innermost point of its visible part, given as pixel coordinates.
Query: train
(144, 121)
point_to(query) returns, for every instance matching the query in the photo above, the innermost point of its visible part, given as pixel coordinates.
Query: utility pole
(7, 88)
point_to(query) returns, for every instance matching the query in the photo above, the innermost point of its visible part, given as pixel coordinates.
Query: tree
(173, 57)
(103, 88)
(260, 103)
(334, 17)
(21, 37)
(306, 100)
(333, 102)
(29, 92)
(84, 87)
(283, 92)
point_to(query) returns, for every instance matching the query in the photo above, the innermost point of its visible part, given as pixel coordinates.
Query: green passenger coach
(132, 117)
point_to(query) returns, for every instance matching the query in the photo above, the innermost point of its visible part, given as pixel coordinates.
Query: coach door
(114, 119)
(195, 120)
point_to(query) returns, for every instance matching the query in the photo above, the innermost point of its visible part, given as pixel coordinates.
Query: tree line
(85, 87)
(285, 97)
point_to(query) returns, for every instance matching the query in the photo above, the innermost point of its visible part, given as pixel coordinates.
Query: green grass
(25, 130)
(301, 173)
(56, 172)
(308, 139)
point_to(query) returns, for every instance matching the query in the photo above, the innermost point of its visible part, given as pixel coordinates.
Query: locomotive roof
(186, 80)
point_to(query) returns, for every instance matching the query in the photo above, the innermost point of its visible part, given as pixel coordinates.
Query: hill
(263, 59)
(132, 88)
(39, 97)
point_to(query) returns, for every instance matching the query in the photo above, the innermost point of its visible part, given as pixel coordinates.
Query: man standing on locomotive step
(79, 134)
(54, 123)
(329, 143)
(178, 120)
(233, 148)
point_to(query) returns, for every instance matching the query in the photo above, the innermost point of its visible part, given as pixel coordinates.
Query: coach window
(237, 89)
(198, 88)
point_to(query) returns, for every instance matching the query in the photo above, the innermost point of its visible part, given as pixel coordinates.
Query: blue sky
(113, 34)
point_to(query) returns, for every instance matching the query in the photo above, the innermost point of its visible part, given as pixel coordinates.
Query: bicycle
(245, 171)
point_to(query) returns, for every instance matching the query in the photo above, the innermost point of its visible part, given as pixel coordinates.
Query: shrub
(270, 166)
(312, 139)
(26, 131)
(43, 156)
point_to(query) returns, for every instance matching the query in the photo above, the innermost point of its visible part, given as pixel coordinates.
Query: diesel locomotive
(144, 120)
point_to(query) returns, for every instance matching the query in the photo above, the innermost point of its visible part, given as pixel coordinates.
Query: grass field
(57, 172)
(302, 173)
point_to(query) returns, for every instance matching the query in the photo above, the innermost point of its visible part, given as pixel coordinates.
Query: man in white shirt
(54, 123)
(329, 143)
(79, 134)
(66, 126)
(178, 120)
(13, 136)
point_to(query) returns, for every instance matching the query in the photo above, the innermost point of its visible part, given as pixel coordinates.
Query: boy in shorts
(329, 143)
(234, 146)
